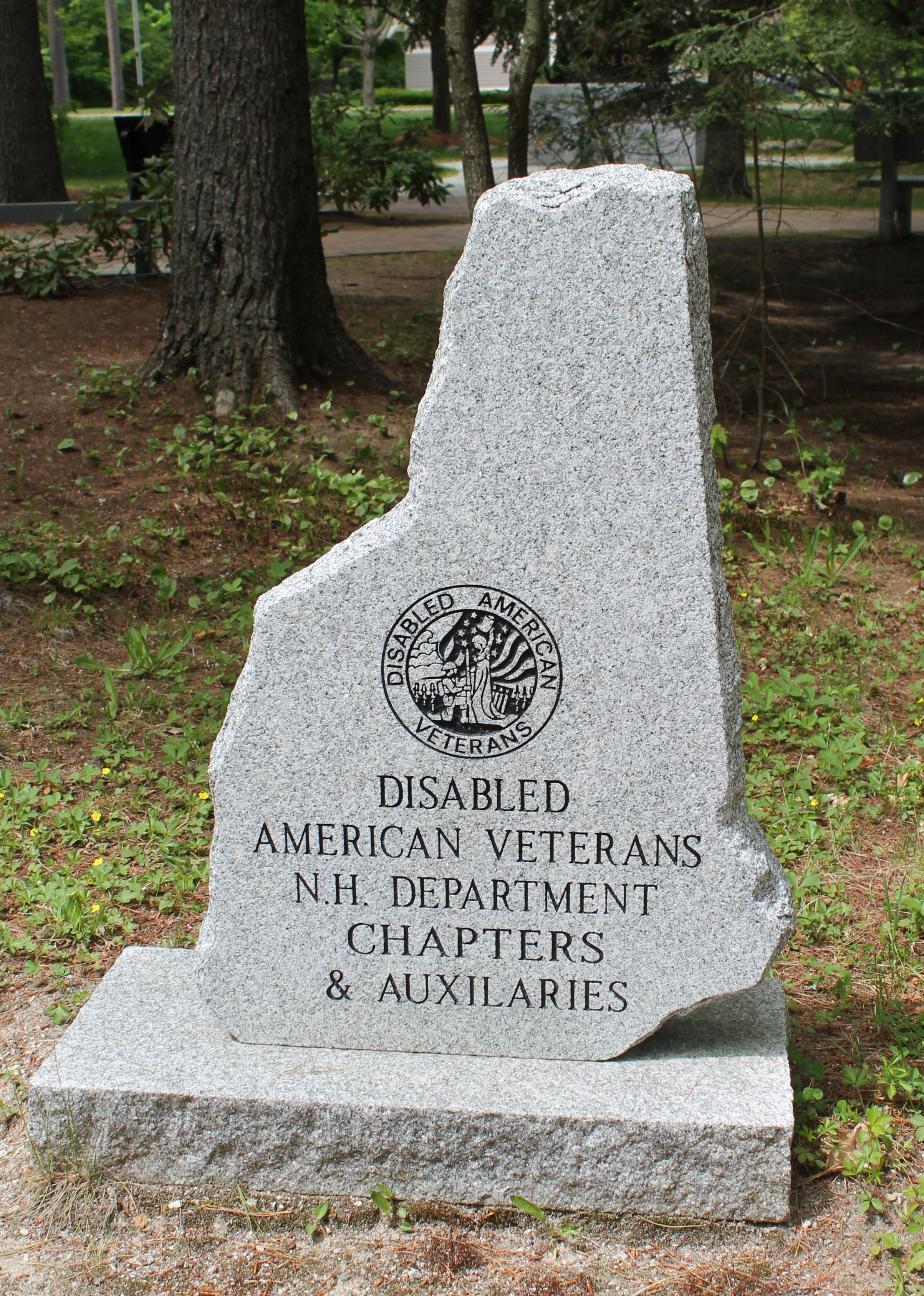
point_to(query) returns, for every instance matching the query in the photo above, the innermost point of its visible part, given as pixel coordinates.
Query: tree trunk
(724, 173)
(466, 97)
(116, 77)
(439, 67)
(370, 40)
(522, 75)
(249, 305)
(60, 82)
(30, 168)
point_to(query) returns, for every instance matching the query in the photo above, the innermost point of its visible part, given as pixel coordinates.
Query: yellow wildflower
(105, 770)
(94, 908)
(95, 816)
(813, 801)
(33, 832)
(755, 717)
(97, 861)
(203, 796)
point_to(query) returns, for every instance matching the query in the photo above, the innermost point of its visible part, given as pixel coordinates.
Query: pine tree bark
(30, 168)
(250, 305)
(522, 75)
(724, 173)
(116, 74)
(439, 68)
(466, 97)
(60, 82)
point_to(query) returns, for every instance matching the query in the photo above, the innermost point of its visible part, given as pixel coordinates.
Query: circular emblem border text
(399, 698)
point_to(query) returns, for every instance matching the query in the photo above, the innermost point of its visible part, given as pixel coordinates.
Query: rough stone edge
(532, 192)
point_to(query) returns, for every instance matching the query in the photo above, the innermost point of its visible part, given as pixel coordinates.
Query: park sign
(479, 809)
(480, 785)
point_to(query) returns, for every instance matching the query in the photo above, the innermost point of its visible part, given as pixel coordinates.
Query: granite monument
(479, 791)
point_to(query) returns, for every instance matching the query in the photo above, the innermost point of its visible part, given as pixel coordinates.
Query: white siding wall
(491, 76)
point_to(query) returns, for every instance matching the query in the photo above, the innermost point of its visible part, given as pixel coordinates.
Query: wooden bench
(77, 213)
(905, 187)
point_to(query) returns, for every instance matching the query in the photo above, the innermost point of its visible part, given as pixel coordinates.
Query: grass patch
(90, 153)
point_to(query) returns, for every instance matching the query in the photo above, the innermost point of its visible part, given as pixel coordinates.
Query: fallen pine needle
(248, 1214)
(821, 1174)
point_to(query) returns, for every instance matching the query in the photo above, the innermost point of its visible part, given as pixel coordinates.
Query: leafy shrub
(362, 166)
(41, 264)
(117, 235)
(49, 263)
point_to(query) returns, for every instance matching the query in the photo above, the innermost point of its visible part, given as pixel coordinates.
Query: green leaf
(911, 478)
(67, 444)
(885, 523)
(529, 1208)
(773, 465)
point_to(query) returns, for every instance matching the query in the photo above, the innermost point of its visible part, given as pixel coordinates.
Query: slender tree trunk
(764, 291)
(249, 305)
(60, 82)
(116, 76)
(370, 40)
(466, 97)
(522, 75)
(439, 67)
(724, 173)
(30, 168)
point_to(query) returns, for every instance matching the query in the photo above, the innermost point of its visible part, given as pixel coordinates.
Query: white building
(491, 74)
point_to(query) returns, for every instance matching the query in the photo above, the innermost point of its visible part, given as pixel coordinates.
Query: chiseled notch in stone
(480, 785)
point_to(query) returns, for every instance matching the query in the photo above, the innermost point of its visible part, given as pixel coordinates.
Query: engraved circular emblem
(471, 671)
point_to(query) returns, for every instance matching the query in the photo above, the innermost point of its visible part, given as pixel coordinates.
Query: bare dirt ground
(856, 357)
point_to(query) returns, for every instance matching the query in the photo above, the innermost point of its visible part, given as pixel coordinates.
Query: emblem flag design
(471, 671)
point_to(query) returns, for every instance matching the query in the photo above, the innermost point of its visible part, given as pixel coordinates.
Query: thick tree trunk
(30, 168)
(522, 75)
(249, 306)
(724, 173)
(466, 97)
(60, 82)
(439, 68)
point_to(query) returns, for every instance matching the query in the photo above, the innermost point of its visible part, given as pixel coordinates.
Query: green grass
(90, 153)
(821, 186)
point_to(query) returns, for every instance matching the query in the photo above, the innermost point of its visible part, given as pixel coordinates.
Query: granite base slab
(696, 1122)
